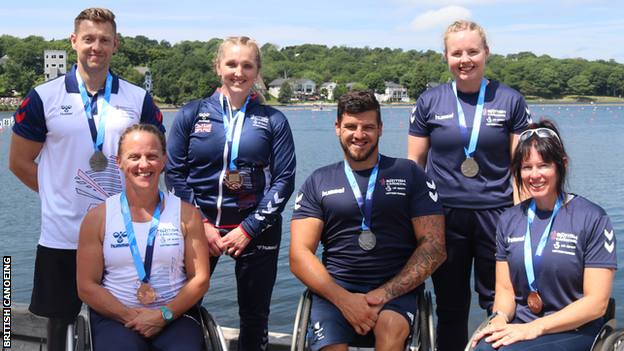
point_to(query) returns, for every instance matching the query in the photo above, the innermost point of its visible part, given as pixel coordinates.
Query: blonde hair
(460, 26)
(251, 44)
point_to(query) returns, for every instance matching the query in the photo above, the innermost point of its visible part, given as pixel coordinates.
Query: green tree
(580, 85)
(339, 90)
(374, 82)
(324, 93)
(527, 88)
(285, 92)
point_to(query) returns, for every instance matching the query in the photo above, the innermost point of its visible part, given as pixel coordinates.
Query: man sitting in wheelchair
(378, 249)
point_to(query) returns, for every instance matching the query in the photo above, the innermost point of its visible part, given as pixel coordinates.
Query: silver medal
(367, 240)
(98, 162)
(470, 168)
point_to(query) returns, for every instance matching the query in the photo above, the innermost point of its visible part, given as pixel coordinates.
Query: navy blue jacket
(196, 164)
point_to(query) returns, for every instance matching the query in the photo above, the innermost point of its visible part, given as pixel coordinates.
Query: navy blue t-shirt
(402, 191)
(581, 237)
(435, 116)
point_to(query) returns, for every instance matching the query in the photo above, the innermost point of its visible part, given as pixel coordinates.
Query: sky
(590, 29)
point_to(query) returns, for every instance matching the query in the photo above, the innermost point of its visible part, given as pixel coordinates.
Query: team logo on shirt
(565, 243)
(413, 116)
(332, 192)
(203, 128)
(318, 331)
(433, 192)
(297, 199)
(609, 244)
(394, 186)
(259, 121)
(438, 118)
(169, 236)
(120, 236)
(66, 110)
(122, 240)
(125, 111)
(495, 118)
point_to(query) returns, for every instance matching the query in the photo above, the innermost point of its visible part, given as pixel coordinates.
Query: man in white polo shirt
(73, 124)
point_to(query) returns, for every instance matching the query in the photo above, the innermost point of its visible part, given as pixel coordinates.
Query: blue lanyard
(96, 135)
(143, 271)
(233, 143)
(366, 205)
(476, 123)
(528, 256)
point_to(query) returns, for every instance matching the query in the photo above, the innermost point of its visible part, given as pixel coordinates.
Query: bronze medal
(98, 162)
(233, 179)
(469, 167)
(146, 294)
(535, 302)
(367, 240)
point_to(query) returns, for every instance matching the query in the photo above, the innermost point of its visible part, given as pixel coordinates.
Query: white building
(394, 93)
(148, 84)
(301, 88)
(55, 63)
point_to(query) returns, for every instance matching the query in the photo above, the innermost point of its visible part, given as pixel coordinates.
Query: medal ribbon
(143, 271)
(528, 256)
(238, 120)
(97, 135)
(476, 123)
(365, 205)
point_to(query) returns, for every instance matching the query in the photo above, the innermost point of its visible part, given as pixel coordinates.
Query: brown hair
(97, 15)
(358, 101)
(460, 26)
(143, 127)
(551, 150)
(251, 44)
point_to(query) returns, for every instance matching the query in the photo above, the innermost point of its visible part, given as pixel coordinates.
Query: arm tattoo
(427, 257)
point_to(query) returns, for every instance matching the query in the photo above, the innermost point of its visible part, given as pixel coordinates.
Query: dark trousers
(183, 334)
(470, 235)
(580, 339)
(256, 272)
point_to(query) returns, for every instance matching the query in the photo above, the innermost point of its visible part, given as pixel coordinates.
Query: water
(596, 171)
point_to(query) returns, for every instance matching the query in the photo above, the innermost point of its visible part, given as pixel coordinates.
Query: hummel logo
(609, 235)
(297, 199)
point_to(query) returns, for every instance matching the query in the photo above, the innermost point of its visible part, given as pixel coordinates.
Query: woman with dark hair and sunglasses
(556, 256)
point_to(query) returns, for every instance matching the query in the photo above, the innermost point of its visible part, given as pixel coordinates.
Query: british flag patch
(202, 127)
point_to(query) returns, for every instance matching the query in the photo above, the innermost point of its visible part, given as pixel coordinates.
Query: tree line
(185, 71)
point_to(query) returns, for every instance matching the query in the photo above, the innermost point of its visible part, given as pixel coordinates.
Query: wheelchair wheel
(80, 334)
(430, 324)
(212, 336)
(422, 335)
(304, 328)
(479, 328)
(614, 341)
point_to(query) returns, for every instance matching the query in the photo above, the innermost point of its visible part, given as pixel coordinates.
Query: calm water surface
(594, 140)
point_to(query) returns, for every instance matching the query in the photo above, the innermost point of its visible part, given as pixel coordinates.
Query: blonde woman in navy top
(464, 133)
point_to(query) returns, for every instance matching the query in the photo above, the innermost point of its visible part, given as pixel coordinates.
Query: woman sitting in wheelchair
(143, 258)
(556, 257)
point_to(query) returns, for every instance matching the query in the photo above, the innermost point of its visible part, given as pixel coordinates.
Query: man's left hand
(376, 300)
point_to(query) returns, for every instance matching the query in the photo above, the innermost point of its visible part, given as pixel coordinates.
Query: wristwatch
(167, 314)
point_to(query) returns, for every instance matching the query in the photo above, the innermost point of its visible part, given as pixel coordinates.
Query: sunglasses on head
(541, 132)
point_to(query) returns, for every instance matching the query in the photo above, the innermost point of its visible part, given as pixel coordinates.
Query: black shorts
(55, 294)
